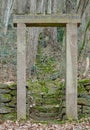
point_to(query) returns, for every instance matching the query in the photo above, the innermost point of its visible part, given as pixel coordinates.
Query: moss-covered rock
(84, 81)
(4, 110)
(4, 86)
(11, 104)
(4, 91)
(13, 93)
(82, 101)
(10, 116)
(5, 98)
(13, 86)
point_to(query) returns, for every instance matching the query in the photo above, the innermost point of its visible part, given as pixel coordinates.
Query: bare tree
(70, 6)
(33, 34)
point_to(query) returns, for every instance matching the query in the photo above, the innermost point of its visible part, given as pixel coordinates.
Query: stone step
(50, 106)
(43, 94)
(47, 115)
(45, 108)
(44, 116)
(40, 102)
(46, 99)
(43, 102)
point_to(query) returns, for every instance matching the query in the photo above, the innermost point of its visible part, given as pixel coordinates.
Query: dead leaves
(10, 125)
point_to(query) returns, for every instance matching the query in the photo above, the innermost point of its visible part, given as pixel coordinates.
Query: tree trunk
(8, 12)
(53, 31)
(33, 38)
(40, 6)
(54, 6)
(70, 6)
(3, 4)
(32, 6)
(21, 6)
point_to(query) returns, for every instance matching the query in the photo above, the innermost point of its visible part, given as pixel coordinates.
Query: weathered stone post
(71, 70)
(21, 71)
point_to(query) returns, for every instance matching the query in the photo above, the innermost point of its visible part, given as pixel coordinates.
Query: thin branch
(7, 14)
(87, 67)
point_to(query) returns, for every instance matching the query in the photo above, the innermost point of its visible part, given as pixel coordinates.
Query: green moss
(46, 86)
(12, 86)
(7, 96)
(10, 116)
(12, 104)
(84, 81)
(13, 93)
(82, 101)
(60, 34)
(81, 88)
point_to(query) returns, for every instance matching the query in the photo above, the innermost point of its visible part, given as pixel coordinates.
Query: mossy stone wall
(8, 101)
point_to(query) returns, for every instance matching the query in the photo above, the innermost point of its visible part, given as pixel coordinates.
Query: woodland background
(49, 38)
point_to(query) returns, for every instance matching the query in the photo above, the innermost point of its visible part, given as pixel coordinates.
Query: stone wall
(84, 98)
(8, 101)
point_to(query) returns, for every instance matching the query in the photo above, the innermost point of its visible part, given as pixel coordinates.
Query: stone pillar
(71, 71)
(21, 71)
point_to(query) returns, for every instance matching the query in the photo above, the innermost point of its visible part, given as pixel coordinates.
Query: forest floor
(83, 124)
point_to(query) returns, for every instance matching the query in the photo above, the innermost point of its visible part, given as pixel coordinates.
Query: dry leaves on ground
(10, 125)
